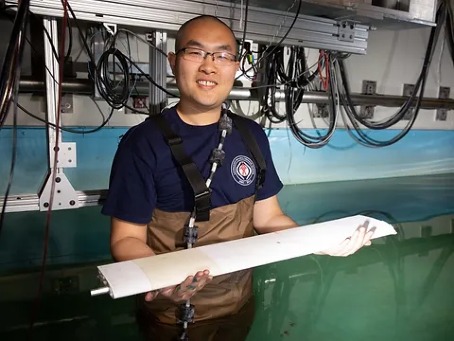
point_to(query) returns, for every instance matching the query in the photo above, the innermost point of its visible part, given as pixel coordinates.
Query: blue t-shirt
(145, 176)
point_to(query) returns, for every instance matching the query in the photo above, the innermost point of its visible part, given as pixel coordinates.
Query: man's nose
(208, 64)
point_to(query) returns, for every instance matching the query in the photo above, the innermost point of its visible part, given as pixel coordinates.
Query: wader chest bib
(224, 295)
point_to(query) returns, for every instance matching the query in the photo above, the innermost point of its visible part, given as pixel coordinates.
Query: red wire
(324, 79)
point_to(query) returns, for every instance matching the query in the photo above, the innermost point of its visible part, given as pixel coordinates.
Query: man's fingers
(190, 286)
(358, 242)
(338, 250)
(150, 296)
(358, 239)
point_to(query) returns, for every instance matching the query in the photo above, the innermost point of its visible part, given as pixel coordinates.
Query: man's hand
(184, 291)
(361, 237)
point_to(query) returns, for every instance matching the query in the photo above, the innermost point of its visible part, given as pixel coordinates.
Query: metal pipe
(74, 86)
(85, 87)
(100, 291)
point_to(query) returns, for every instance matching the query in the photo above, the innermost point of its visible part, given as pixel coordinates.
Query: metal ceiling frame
(263, 26)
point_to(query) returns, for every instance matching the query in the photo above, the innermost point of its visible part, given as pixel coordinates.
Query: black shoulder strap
(202, 195)
(241, 124)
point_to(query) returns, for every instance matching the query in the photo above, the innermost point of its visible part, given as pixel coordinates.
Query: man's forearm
(130, 248)
(277, 223)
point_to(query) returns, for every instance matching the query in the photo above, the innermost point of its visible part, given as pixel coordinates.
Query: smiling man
(204, 80)
(159, 199)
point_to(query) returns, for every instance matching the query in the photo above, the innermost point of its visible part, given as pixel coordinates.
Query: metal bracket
(369, 88)
(346, 31)
(111, 28)
(67, 156)
(443, 93)
(64, 194)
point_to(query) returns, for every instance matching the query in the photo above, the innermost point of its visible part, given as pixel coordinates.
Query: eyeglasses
(198, 55)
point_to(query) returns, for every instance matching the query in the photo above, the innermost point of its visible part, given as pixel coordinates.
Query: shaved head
(187, 26)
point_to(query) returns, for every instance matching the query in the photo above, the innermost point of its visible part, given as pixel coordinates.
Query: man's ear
(172, 60)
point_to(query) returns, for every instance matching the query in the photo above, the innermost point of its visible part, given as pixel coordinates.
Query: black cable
(450, 28)
(268, 101)
(9, 87)
(108, 89)
(36, 52)
(363, 138)
(441, 15)
(70, 42)
(12, 59)
(294, 79)
(100, 72)
(69, 130)
(134, 110)
(13, 155)
(245, 52)
(265, 56)
(306, 139)
(148, 77)
(79, 29)
(245, 28)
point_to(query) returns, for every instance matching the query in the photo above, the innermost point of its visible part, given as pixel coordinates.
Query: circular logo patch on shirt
(243, 170)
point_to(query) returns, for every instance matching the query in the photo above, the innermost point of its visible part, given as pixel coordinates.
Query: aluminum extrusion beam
(264, 25)
(158, 71)
(30, 202)
(85, 87)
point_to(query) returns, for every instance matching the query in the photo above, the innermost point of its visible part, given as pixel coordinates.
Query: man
(150, 198)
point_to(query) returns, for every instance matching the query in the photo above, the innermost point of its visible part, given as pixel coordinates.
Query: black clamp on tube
(190, 234)
(185, 313)
(217, 156)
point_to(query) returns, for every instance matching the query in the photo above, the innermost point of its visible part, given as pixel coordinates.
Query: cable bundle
(10, 73)
(354, 118)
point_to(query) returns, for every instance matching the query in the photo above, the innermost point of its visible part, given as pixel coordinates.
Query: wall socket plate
(407, 92)
(322, 111)
(368, 88)
(443, 93)
(67, 104)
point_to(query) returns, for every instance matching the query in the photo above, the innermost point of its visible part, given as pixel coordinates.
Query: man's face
(204, 84)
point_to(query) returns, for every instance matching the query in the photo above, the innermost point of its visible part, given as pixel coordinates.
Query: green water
(394, 290)
(400, 288)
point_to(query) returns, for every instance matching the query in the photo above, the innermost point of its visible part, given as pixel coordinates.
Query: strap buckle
(202, 205)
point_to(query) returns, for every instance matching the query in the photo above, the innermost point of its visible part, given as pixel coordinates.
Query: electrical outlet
(139, 102)
(369, 88)
(443, 93)
(66, 104)
(322, 111)
(407, 92)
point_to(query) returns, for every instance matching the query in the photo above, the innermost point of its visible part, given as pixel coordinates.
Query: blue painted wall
(420, 152)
